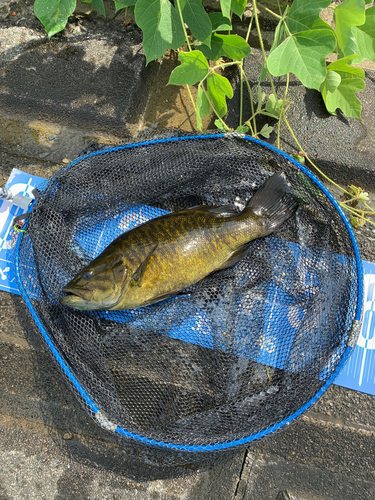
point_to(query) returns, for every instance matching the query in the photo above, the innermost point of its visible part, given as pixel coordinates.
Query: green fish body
(158, 259)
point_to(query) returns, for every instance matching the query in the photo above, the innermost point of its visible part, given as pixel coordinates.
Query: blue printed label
(18, 183)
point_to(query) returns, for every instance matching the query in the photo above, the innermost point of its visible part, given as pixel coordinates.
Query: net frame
(88, 401)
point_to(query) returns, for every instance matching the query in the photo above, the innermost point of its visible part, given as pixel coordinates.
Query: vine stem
(190, 50)
(356, 213)
(213, 108)
(353, 211)
(270, 11)
(192, 100)
(310, 161)
(255, 12)
(253, 114)
(242, 74)
(282, 110)
(183, 24)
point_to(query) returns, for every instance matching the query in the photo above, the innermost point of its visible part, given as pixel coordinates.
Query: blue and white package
(359, 371)
(18, 183)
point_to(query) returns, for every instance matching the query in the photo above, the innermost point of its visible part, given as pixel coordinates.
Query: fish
(165, 255)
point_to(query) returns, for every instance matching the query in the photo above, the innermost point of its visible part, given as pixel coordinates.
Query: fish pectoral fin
(140, 271)
(235, 257)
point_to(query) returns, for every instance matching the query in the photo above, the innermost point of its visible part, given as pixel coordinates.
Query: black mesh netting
(226, 361)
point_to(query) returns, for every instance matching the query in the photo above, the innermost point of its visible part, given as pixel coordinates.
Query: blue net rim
(247, 439)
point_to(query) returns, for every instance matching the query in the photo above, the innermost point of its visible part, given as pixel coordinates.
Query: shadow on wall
(97, 77)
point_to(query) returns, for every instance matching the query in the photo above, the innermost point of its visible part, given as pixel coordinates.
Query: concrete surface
(49, 447)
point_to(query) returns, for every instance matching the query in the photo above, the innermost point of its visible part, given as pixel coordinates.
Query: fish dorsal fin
(140, 271)
(223, 210)
(235, 257)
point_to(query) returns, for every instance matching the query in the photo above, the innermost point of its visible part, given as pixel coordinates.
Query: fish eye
(87, 275)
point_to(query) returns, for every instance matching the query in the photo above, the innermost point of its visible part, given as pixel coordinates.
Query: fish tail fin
(274, 201)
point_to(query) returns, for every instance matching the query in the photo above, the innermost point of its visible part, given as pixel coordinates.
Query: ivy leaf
(219, 22)
(122, 4)
(304, 55)
(202, 105)
(193, 69)
(161, 26)
(238, 7)
(266, 131)
(218, 87)
(365, 37)
(348, 14)
(232, 46)
(225, 8)
(274, 106)
(54, 14)
(344, 95)
(197, 19)
(304, 15)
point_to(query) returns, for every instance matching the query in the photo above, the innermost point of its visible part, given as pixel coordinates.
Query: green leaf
(197, 19)
(365, 37)
(266, 131)
(218, 87)
(299, 158)
(238, 7)
(225, 8)
(202, 106)
(274, 106)
(343, 65)
(193, 69)
(344, 95)
(54, 14)
(304, 15)
(263, 73)
(232, 46)
(219, 124)
(161, 26)
(304, 55)
(348, 14)
(279, 31)
(219, 22)
(332, 81)
(261, 96)
(242, 129)
(122, 4)
(99, 6)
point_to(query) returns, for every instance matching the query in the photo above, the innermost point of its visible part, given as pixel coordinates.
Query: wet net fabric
(226, 361)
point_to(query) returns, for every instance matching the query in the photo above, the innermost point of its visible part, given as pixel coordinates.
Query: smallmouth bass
(165, 255)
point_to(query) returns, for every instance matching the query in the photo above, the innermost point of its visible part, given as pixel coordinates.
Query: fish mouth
(76, 297)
